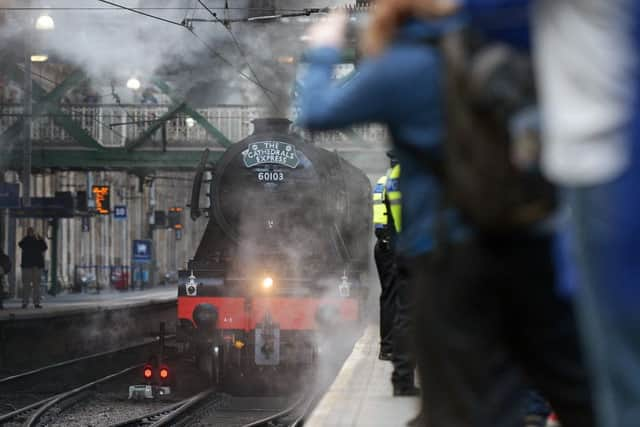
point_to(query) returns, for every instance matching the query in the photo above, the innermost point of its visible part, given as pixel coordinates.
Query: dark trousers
(386, 266)
(404, 360)
(491, 325)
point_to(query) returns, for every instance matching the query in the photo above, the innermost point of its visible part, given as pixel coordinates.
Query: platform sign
(142, 251)
(9, 195)
(102, 198)
(120, 212)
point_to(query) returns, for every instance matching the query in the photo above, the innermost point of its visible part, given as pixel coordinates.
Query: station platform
(86, 303)
(362, 395)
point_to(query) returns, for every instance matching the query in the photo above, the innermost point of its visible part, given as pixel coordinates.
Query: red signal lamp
(164, 373)
(147, 372)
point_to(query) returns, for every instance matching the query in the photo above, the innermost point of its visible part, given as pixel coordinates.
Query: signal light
(164, 372)
(267, 283)
(147, 372)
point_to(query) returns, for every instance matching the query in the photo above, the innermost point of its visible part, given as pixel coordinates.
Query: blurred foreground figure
(487, 313)
(589, 79)
(33, 248)
(399, 88)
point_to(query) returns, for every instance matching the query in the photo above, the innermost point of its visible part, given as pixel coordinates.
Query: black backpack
(5, 263)
(487, 87)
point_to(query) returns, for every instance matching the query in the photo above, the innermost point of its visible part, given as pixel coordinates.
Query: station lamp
(39, 58)
(45, 23)
(133, 83)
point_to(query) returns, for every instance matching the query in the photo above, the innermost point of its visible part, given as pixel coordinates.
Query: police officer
(385, 264)
(403, 356)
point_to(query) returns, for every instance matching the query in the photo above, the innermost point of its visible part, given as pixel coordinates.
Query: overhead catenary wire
(115, 8)
(242, 53)
(139, 12)
(229, 63)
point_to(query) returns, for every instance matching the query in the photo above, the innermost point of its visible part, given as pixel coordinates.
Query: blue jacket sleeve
(326, 104)
(485, 6)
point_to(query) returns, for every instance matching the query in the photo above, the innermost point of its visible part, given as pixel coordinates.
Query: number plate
(271, 176)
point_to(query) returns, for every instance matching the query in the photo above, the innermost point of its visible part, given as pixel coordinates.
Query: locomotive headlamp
(267, 283)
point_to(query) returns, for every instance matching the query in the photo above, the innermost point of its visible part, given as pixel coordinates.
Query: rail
(69, 362)
(294, 414)
(35, 411)
(169, 414)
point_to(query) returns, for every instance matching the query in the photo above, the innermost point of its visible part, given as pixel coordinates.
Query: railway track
(169, 414)
(78, 360)
(292, 416)
(30, 415)
(197, 410)
(30, 395)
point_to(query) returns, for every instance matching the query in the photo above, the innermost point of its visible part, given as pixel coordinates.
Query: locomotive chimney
(271, 125)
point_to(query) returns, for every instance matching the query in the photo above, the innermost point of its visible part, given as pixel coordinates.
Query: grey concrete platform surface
(362, 395)
(67, 303)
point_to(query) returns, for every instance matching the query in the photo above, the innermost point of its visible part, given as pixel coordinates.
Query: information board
(141, 251)
(102, 198)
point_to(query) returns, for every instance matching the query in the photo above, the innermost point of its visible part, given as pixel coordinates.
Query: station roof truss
(87, 153)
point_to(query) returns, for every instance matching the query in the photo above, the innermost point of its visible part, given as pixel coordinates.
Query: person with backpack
(589, 78)
(490, 323)
(5, 269)
(384, 90)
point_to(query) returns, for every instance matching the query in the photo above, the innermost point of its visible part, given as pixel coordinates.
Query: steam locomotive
(285, 253)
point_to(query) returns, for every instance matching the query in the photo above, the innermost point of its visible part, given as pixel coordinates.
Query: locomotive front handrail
(197, 186)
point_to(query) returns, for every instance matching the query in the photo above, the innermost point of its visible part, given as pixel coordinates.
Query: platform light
(190, 122)
(267, 282)
(39, 58)
(133, 83)
(45, 23)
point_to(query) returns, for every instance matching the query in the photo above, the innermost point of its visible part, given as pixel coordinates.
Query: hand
(439, 8)
(330, 32)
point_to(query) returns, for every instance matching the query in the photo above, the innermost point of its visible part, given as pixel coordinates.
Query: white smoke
(112, 45)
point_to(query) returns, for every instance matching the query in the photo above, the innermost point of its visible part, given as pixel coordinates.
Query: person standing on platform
(399, 86)
(33, 248)
(385, 264)
(5, 269)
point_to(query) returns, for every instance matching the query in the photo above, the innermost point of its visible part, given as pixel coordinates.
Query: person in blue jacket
(400, 88)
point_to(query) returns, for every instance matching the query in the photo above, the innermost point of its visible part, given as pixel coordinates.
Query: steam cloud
(114, 45)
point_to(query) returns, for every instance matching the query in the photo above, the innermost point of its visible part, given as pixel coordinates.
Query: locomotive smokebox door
(267, 348)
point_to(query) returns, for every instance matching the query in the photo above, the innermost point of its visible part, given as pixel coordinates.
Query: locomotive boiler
(285, 253)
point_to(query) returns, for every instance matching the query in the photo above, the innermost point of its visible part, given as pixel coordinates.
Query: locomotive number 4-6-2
(271, 176)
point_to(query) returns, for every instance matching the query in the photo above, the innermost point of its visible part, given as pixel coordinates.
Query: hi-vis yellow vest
(380, 217)
(394, 197)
